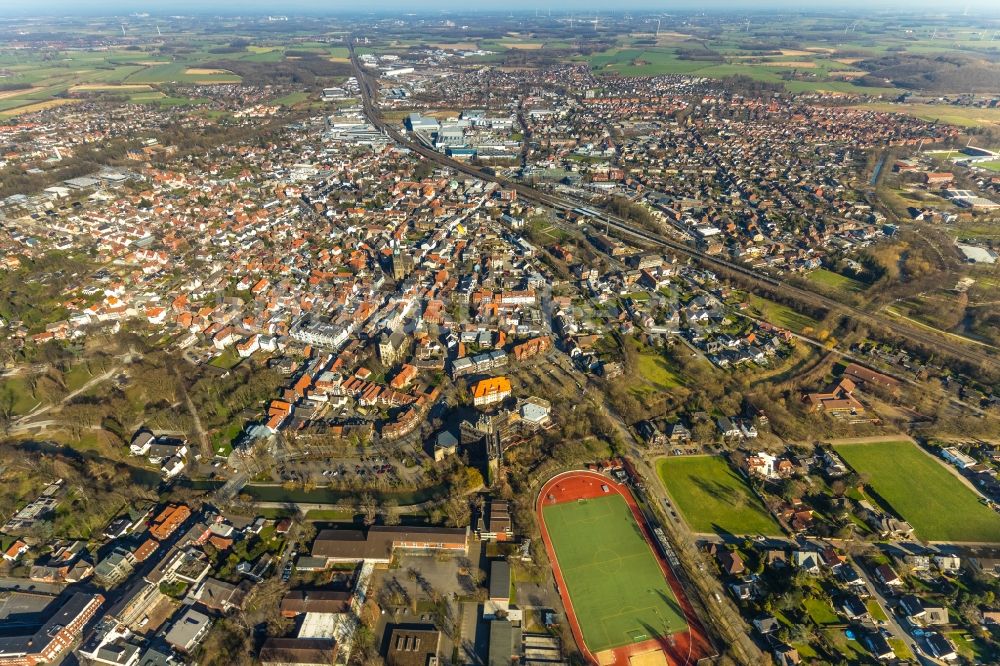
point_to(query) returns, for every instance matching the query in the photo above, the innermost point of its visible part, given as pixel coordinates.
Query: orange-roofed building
(274, 422)
(144, 551)
(169, 520)
(16, 551)
(302, 385)
(279, 408)
(404, 378)
(490, 391)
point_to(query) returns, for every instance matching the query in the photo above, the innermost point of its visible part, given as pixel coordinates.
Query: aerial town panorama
(485, 334)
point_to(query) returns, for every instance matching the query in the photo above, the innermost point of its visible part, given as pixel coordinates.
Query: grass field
(820, 611)
(292, 98)
(876, 611)
(835, 281)
(619, 593)
(923, 492)
(899, 647)
(15, 395)
(851, 650)
(713, 497)
(971, 647)
(36, 106)
(782, 315)
(945, 113)
(656, 61)
(227, 360)
(656, 370)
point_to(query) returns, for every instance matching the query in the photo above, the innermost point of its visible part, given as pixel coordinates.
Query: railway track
(983, 357)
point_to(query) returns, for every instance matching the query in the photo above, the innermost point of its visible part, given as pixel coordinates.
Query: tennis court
(618, 590)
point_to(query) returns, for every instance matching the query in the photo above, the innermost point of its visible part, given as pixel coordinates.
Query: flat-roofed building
(40, 638)
(188, 630)
(499, 581)
(504, 639)
(416, 646)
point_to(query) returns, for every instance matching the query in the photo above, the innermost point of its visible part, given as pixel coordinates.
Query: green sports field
(619, 593)
(922, 491)
(713, 497)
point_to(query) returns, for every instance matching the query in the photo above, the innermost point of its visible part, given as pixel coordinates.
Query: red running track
(681, 648)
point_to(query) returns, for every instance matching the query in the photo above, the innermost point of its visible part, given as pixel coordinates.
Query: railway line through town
(983, 357)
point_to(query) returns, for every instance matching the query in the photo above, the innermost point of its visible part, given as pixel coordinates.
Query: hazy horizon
(313, 7)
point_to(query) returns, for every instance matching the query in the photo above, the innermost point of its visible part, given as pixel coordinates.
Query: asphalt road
(894, 627)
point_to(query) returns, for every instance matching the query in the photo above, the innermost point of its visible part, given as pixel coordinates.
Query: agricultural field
(119, 71)
(814, 71)
(33, 106)
(619, 593)
(713, 497)
(919, 488)
(952, 115)
(179, 72)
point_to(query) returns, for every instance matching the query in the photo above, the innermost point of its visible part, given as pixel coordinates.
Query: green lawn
(805, 650)
(222, 440)
(782, 315)
(972, 647)
(851, 650)
(835, 281)
(330, 514)
(655, 369)
(922, 491)
(227, 360)
(76, 377)
(619, 593)
(875, 610)
(945, 113)
(713, 497)
(292, 99)
(15, 395)
(820, 611)
(899, 647)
